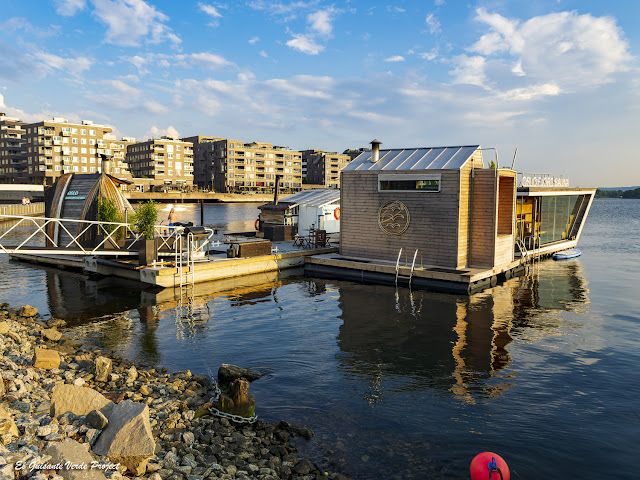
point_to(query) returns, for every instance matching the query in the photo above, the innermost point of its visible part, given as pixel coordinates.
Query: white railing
(165, 234)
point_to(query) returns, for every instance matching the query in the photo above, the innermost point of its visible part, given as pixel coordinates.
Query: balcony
(64, 134)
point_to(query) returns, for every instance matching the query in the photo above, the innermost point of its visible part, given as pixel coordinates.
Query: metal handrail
(42, 222)
(398, 264)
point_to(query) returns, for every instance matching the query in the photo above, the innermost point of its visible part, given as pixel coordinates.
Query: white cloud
(69, 8)
(397, 58)
(320, 22)
(530, 93)
(304, 86)
(431, 55)
(570, 49)
(254, 40)
(394, 9)
(210, 60)
(34, 117)
(305, 44)
(438, 3)
(74, 66)
(157, 108)
(469, 70)
(433, 23)
(280, 9)
(263, 54)
(124, 89)
(129, 21)
(155, 132)
(210, 10)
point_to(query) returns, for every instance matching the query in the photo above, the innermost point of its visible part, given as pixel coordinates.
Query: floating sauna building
(453, 215)
(75, 196)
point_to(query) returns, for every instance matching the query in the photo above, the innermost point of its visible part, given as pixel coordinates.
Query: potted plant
(145, 220)
(108, 212)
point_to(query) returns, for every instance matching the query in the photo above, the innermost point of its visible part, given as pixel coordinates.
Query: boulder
(4, 328)
(46, 359)
(127, 439)
(77, 400)
(7, 425)
(228, 373)
(51, 334)
(76, 454)
(103, 367)
(27, 311)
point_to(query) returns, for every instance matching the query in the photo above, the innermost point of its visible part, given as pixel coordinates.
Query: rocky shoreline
(73, 413)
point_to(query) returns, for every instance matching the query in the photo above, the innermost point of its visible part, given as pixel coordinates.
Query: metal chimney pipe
(275, 190)
(375, 150)
(105, 164)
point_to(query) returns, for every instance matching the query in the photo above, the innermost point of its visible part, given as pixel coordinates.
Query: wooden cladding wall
(433, 227)
(483, 219)
(463, 224)
(506, 199)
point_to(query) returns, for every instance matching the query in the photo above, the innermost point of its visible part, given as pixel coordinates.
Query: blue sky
(557, 79)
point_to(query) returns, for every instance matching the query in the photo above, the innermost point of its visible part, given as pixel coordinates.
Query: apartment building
(167, 162)
(117, 149)
(323, 168)
(57, 146)
(204, 172)
(12, 150)
(239, 167)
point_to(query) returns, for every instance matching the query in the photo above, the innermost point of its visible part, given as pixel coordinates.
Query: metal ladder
(413, 265)
(185, 270)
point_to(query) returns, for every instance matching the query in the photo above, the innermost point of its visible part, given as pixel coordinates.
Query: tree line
(618, 193)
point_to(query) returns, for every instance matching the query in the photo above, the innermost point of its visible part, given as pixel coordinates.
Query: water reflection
(453, 344)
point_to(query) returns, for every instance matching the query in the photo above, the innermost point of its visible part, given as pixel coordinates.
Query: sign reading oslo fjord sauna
(393, 217)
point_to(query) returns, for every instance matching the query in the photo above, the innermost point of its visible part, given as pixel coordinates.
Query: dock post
(202, 212)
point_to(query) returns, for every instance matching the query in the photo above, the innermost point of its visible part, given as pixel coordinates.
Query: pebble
(188, 446)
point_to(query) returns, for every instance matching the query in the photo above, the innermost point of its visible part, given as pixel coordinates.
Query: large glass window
(557, 215)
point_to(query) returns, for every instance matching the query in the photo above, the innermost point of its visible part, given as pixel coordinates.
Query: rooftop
(426, 158)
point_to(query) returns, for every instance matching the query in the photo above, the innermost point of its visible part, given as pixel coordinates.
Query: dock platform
(428, 277)
(216, 267)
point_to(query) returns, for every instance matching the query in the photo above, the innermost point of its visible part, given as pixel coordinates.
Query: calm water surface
(542, 369)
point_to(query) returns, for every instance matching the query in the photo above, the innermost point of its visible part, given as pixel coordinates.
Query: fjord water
(396, 384)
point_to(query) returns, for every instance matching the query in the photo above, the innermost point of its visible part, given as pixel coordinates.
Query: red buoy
(488, 465)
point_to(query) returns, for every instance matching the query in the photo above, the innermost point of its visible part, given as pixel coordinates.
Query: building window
(408, 183)
(83, 131)
(92, 132)
(74, 140)
(83, 141)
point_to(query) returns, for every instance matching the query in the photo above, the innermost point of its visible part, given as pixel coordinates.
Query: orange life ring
(336, 213)
(257, 224)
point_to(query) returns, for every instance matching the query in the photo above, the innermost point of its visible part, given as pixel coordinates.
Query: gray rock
(79, 382)
(75, 453)
(228, 373)
(127, 438)
(96, 419)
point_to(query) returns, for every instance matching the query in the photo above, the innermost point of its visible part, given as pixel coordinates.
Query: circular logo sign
(393, 217)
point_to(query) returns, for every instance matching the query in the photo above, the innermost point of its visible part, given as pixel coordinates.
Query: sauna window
(408, 183)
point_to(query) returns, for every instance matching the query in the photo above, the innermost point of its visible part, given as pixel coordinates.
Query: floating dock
(217, 267)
